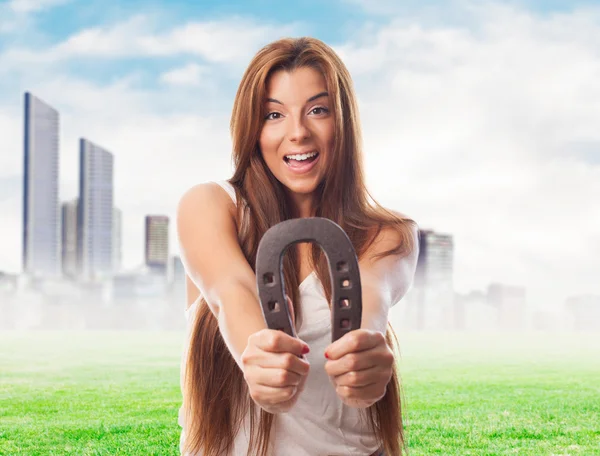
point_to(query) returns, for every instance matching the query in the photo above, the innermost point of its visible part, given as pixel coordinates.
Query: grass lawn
(476, 394)
(117, 393)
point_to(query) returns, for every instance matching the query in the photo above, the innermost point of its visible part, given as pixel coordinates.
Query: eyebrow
(313, 98)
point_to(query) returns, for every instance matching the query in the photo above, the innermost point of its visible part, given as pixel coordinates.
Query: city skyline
(70, 239)
(41, 152)
(95, 234)
(481, 123)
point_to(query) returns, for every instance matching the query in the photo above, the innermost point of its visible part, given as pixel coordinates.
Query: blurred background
(480, 122)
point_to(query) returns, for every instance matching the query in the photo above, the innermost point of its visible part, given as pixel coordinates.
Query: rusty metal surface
(343, 268)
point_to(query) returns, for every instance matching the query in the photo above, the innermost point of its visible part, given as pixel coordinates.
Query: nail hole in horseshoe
(344, 302)
(345, 323)
(346, 283)
(273, 306)
(342, 266)
(269, 279)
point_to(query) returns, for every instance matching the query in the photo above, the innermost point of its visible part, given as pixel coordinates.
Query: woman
(248, 390)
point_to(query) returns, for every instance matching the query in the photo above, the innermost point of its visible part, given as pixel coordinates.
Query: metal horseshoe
(343, 269)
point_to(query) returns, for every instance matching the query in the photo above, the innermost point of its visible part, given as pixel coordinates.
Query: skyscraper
(434, 281)
(157, 243)
(95, 215)
(116, 240)
(510, 301)
(69, 238)
(41, 211)
(434, 267)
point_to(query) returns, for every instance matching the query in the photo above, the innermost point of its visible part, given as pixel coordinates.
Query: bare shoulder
(389, 266)
(390, 237)
(202, 211)
(206, 195)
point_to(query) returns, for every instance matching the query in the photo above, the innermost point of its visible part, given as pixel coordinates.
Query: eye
(268, 116)
(323, 109)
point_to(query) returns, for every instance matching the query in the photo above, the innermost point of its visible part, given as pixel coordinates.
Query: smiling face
(297, 136)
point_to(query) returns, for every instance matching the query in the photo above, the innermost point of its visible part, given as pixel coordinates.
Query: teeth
(301, 157)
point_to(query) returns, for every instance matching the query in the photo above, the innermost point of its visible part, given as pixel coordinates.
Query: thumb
(293, 317)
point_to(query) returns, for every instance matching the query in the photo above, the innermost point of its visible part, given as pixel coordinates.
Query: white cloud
(31, 6)
(230, 40)
(15, 15)
(216, 41)
(468, 130)
(471, 132)
(10, 21)
(191, 74)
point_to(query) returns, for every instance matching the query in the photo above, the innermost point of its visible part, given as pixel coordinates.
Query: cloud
(141, 36)
(191, 74)
(31, 6)
(486, 130)
(15, 15)
(473, 131)
(10, 21)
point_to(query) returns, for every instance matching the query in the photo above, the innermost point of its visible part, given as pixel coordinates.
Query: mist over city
(72, 276)
(482, 127)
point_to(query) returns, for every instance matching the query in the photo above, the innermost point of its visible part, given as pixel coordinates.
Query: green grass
(89, 393)
(476, 394)
(465, 394)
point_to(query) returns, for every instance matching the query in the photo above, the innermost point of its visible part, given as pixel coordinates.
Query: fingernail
(305, 350)
(326, 355)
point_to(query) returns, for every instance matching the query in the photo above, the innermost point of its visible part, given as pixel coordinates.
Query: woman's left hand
(360, 366)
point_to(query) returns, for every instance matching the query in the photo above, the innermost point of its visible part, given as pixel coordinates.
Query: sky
(480, 119)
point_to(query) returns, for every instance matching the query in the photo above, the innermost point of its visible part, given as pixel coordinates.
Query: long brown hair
(215, 393)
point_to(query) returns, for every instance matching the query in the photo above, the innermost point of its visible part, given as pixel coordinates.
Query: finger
(285, 361)
(366, 393)
(274, 341)
(272, 395)
(353, 362)
(354, 341)
(288, 361)
(276, 378)
(362, 378)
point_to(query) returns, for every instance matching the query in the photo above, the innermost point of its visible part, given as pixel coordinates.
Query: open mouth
(300, 160)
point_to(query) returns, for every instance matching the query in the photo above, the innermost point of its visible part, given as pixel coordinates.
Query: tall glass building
(41, 209)
(433, 283)
(69, 238)
(157, 243)
(117, 254)
(95, 212)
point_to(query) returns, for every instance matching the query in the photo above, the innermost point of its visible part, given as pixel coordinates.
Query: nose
(297, 130)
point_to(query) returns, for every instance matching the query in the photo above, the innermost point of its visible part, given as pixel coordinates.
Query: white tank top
(319, 423)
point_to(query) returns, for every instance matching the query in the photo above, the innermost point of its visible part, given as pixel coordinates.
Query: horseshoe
(343, 269)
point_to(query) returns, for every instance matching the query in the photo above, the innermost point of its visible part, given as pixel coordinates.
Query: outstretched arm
(271, 361)
(216, 265)
(360, 363)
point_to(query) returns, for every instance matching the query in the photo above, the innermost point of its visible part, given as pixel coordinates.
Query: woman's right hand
(275, 368)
